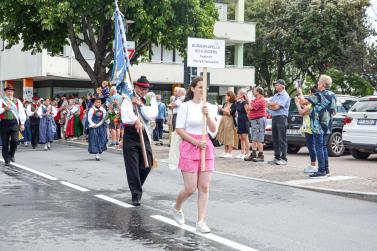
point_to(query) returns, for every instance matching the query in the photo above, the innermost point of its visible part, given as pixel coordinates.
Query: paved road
(42, 214)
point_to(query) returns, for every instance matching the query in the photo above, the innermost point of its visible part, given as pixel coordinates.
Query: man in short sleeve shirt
(279, 106)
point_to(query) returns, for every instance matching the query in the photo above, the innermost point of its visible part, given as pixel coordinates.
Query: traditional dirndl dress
(47, 128)
(97, 136)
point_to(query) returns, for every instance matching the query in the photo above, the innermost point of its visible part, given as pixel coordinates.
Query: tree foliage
(297, 39)
(51, 24)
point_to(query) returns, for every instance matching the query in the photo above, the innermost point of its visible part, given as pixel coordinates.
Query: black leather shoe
(7, 163)
(136, 203)
(13, 159)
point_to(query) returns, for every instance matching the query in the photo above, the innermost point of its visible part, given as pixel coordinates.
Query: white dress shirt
(29, 113)
(91, 113)
(53, 110)
(128, 115)
(21, 110)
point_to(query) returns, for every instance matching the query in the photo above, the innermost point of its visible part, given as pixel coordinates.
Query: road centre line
(49, 177)
(309, 181)
(82, 189)
(209, 236)
(109, 199)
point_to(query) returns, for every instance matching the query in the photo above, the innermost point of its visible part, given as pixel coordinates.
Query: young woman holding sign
(189, 127)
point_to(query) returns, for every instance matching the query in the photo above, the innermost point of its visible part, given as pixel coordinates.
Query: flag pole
(141, 135)
(204, 122)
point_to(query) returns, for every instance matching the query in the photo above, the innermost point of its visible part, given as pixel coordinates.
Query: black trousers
(279, 136)
(34, 128)
(9, 137)
(174, 121)
(58, 134)
(158, 131)
(134, 162)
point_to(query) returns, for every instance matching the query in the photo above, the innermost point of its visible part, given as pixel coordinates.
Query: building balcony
(235, 32)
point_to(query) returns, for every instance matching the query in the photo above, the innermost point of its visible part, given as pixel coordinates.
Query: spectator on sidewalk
(324, 108)
(114, 126)
(180, 96)
(257, 116)
(242, 106)
(279, 106)
(161, 117)
(306, 129)
(170, 118)
(227, 132)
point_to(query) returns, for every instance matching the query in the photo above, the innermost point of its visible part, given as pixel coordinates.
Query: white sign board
(131, 45)
(205, 53)
(28, 93)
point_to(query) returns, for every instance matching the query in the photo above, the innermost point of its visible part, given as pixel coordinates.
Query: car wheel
(335, 146)
(293, 149)
(359, 155)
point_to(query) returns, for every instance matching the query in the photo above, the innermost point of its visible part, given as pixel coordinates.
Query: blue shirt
(161, 110)
(324, 107)
(283, 100)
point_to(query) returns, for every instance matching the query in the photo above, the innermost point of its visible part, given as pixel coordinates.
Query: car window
(365, 106)
(293, 107)
(343, 107)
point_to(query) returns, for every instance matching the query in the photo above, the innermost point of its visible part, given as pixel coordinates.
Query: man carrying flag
(136, 114)
(13, 116)
(133, 125)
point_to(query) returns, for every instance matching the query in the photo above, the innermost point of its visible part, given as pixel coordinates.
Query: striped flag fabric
(121, 60)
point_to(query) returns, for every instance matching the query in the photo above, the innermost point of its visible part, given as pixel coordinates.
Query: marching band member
(47, 128)
(97, 142)
(13, 116)
(133, 125)
(32, 113)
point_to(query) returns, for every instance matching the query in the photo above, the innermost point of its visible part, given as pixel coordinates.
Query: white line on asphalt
(309, 181)
(109, 199)
(209, 236)
(49, 177)
(82, 189)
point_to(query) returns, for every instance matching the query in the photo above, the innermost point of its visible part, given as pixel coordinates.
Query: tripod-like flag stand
(205, 53)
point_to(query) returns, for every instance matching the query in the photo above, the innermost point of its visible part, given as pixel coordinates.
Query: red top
(81, 112)
(258, 109)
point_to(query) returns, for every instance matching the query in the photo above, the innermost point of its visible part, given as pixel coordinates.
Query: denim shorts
(258, 127)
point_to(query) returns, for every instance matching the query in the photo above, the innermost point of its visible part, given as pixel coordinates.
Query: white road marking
(309, 181)
(109, 199)
(209, 236)
(82, 189)
(49, 177)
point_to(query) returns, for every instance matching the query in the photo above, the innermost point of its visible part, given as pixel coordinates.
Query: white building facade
(56, 75)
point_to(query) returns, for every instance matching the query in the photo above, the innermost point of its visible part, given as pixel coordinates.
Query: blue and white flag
(121, 60)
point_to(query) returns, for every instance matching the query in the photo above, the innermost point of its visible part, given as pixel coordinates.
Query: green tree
(54, 23)
(295, 39)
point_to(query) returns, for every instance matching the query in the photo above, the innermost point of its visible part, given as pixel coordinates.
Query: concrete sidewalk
(349, 177)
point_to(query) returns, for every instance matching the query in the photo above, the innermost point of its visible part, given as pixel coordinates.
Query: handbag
(174, 151)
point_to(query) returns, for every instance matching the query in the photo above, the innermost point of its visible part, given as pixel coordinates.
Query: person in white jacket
(47, 127)
(13, 116)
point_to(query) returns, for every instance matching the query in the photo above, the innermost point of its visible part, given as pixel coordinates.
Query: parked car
(296, 140)
(360, 129)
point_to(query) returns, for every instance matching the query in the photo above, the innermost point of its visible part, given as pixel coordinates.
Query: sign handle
(204, 121)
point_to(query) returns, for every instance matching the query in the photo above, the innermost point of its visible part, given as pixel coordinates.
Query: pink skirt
(189, 160)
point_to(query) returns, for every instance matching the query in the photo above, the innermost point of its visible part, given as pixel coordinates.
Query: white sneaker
(26, 144)
(223, 155)
(310, 169)
(46, 147)
(97, 157)
(228, 155)
(202, 227)
(281, 162)
(179, 217)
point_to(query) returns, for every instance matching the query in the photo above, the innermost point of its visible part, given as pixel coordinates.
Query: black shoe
(136, 203)
(7, 163)
(34, 147)
(318, 175)
(13, 159)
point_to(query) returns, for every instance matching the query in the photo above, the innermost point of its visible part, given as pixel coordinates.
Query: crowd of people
(132, 123)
